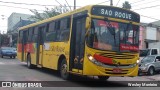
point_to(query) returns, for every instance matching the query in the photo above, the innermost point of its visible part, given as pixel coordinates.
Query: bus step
(40, 66)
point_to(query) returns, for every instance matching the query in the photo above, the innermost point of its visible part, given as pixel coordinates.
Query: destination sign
(114, 12)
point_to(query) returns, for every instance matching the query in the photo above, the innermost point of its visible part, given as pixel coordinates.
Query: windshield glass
(148, 59)
(115, 36)
(144, 52)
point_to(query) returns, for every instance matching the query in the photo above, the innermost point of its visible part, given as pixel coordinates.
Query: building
(156, 23)
(14, 35)
(149, 33)
(14, 18)
(15, 21)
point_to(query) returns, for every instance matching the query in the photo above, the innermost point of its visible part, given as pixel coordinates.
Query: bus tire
(63, 70)
(103, 78)
(29, 65)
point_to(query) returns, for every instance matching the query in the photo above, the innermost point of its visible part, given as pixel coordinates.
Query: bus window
(51, 26)
(35, 35)
(50, 36)
(20, 36)
(51, 32)
(63, 33)
(30, 34)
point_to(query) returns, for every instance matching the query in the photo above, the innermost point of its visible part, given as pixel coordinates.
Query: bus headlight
(91, 58)
(137, 61)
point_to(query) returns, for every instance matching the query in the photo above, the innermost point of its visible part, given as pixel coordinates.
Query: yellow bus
(94, 40)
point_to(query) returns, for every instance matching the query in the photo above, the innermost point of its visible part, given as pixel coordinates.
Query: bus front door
(40, 43)
(77, 44)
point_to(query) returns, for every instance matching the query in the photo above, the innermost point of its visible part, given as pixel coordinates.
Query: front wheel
(151, 71)
(14, 57)
(103, 78)
(63, 70)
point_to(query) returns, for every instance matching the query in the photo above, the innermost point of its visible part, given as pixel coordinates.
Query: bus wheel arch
(61, 58)
(62, 67)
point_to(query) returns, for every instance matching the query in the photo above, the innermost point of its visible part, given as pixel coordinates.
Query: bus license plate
(117, 70)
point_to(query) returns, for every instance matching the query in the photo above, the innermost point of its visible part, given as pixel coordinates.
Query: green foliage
(126, 5)
(47, 13)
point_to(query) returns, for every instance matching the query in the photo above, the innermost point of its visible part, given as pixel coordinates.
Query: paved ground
(14, 70)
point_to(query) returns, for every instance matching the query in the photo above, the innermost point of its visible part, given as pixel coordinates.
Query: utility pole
(74, 4)
(111, 3)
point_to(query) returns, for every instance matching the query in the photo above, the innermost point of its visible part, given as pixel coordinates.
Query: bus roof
(88, 7)
(56, 17)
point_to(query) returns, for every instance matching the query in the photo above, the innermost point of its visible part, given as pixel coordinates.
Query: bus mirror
(88, 22)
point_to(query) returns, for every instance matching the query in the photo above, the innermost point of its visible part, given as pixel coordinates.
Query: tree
(126, 5)
(49, 12)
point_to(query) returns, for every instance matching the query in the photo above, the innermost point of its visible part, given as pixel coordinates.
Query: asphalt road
(14, 70)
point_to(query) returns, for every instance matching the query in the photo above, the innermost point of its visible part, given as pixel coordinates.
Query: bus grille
(118, 56)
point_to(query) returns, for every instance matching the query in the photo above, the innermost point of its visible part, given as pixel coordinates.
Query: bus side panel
(19, 51)
(40, 55)
(58, 49)
(30, 48)
(45, 59)
(25, 53)
(46, 55)
(52, 53)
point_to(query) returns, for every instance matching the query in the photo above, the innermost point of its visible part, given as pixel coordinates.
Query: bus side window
(25, 36)
(64, 31)
(20, 36)
(30, 34)
(35, 34)
(50, 32)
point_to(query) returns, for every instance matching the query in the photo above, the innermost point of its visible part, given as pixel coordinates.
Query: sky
(148, 9)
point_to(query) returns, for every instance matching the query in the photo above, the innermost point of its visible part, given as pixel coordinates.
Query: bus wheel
(103, 78)
(63, 70)
(29, 65)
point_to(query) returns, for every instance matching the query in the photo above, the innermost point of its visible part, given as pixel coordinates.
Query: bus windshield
(115, 36)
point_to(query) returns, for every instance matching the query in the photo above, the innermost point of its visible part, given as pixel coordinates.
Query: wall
(14, 18)
(141, 37)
